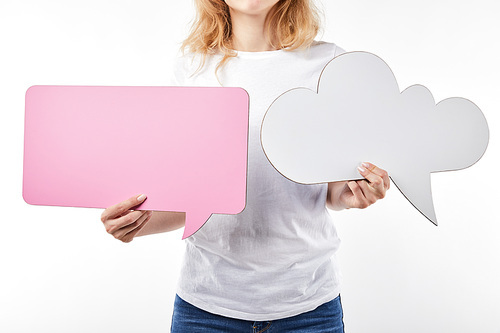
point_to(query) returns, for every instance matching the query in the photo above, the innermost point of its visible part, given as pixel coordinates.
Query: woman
(271, 267)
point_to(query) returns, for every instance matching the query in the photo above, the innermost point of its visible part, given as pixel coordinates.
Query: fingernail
(361, 169)
(150, 212)
(366, 164)
(141, 197)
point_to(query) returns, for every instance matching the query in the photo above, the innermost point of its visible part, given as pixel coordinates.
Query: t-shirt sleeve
(338, 50)
(178, 71)
(173, 81)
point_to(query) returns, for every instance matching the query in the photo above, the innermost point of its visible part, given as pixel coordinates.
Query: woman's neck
(248, 33)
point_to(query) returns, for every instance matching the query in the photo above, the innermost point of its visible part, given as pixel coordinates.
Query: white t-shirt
(276, 259)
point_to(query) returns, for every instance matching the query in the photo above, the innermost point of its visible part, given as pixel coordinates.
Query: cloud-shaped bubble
(359, 114)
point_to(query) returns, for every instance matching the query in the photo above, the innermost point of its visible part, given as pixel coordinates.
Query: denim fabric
(327, 318)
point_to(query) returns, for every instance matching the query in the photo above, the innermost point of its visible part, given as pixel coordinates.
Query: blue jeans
(326, 318)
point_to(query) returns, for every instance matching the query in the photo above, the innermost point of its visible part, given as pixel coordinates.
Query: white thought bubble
(359, 114)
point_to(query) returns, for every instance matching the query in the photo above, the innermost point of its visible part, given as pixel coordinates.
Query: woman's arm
(333, 195)
(125, 223)
(163, 222)
(360, 193)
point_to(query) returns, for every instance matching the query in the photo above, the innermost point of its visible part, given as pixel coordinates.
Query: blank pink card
(184, 147)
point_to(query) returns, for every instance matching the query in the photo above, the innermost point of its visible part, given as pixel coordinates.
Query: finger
(120, 233)
(378, 171)
(371, 194)
(116, 224)
(375, 181)
(359, 196)
(131, 235)
(122, 207)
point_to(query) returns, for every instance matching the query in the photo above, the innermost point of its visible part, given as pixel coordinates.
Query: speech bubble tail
(417, 190)
(194, 221)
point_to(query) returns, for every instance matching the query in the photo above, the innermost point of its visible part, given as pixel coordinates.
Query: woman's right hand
(124, 223)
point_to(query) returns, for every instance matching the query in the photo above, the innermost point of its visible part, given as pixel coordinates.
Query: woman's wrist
(333, 201)
(163, 222)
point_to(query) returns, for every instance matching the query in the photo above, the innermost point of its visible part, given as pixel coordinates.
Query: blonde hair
(290, 24)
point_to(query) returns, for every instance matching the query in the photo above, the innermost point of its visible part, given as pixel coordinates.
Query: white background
(60, 271)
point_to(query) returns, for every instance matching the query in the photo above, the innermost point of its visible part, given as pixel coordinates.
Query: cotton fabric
(276, 259)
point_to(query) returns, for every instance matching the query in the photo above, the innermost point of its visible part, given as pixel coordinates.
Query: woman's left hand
(361, 193)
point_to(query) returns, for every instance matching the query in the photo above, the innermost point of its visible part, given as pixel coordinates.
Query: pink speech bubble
(184, 147)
